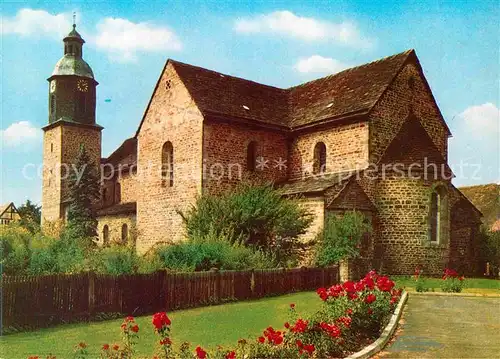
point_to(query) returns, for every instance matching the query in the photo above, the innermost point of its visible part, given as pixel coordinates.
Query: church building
(370, 138)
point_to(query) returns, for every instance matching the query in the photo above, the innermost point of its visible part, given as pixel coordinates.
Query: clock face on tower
(82, 85)
(52, 86)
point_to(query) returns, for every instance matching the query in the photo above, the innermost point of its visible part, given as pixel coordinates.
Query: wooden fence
(38, 301)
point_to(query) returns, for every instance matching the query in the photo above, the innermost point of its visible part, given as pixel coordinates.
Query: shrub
(115, 260)
(420, 283)
(14, 249)
(452, 282)
(255, 215)
(341, 238)
(212, 251)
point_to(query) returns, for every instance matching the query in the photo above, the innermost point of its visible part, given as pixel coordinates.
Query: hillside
(486, 199)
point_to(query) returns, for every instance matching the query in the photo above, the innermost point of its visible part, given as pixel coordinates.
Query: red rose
(231, 355)
(309, 348)
(200, 353)
(287, 325)
(292, 305)
(160, 320)
(165, 341)
(135, 328)
(129, 319)
(349, 286)
(82, 345)
(105, 347)
(262, 339)
(370, 298)
(348, 311)
(370, 311)
(300, 326)
(299, 343)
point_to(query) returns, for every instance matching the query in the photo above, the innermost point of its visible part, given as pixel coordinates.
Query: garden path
(447, 327)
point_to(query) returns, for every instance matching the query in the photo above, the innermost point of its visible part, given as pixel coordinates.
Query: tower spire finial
(74, 19)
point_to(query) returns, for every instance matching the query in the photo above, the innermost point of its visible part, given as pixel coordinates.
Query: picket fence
(39, 301)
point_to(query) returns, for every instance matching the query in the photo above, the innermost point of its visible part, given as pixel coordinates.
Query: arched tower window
(319, 164)
(251, 156)
(118, 194)
(81, 100)
(52, 104)
(124, 233)
(167, 164)
(438, 214)
(105, 234)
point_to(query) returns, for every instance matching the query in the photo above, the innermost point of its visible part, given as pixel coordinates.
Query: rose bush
(452, 281)
(353, 314)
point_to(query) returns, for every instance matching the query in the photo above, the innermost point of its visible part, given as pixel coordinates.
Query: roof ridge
(407, 52)
(226, 75)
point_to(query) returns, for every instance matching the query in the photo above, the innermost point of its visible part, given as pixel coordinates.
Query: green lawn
(207, 326)
(472, 285)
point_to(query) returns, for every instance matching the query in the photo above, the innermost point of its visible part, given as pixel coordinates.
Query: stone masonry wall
(115, 224)
(225, 155)
(394, 107)
(172, 116)
(61, 146)
(51, 188)
(346, 149)
(403, 228)
(316, 206)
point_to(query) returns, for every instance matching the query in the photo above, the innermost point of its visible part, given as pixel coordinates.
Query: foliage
(353, 312)
(211, 251)
(31, 216)
(115, 260)
(490, 249)
(84, 191)
(255, 215)
(452, 282)
(420, 282)
(14, 248)
(341, 238)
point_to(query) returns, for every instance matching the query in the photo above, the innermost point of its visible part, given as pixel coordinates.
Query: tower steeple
(72, 124)
(72, 90)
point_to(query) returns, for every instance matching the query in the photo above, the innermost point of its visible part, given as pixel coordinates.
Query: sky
(280, 43)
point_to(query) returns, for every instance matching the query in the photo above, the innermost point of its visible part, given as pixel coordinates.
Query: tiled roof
(314, 184)
(352, 91)
(218, 94)
(4, 207)
(127, 148)
(120, 208)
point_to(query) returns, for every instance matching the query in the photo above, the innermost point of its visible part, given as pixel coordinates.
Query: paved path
(447, 327)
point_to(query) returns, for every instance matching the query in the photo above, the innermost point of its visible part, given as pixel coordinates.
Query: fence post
(91, 276)
(217, 291)
(252, 283)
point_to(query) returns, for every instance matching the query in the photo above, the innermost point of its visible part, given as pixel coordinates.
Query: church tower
(72, 124)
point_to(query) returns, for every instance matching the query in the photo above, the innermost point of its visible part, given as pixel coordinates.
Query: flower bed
(451, 281)
(353, 315)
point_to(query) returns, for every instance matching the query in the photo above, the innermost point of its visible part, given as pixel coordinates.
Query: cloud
(319, 64)
(482, 120)
(123, 38)
(19, 133)
(36, 22)
(303, 28)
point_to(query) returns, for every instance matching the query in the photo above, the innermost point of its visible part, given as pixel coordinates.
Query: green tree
(255, 215)
(341, 237)
(84, 189)
(31, 215)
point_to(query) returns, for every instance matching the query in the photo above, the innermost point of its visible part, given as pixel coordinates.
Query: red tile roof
(352, 91)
